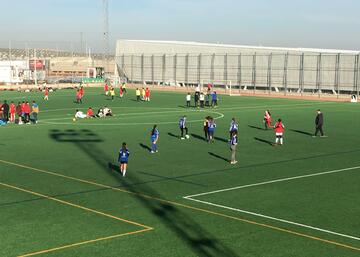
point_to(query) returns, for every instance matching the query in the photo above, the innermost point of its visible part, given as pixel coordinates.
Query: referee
(319, 122)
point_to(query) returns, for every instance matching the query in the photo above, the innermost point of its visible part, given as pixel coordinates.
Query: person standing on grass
(206, 128)
(211, 129)
(233, 145)
(137, 93)
(19, 113)
(207, 99)
(46, 94)
(12, 112)
(112, 93)
(147, 94)
(319, 122)
(121, 93)
(234, 126)
(188, 99)
(143, 94)
(154, 139)
(214, 99)
(124, 87)
(78, 97)
(5, 109)
(123, 158)
(202, 99)
(267, 119)
(106, 89)
(183, 128)
(196, 99)
(27, 111)
(35, 111)
(279, 132)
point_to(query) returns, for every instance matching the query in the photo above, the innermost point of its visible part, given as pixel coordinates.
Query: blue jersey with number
(124, 155)
(233, 126)
(211, 126)
(182, 123)
(154, 135)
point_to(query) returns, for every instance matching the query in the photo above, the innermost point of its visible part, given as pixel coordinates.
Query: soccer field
(61, 194)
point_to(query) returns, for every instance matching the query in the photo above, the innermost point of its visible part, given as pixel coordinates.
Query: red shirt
(90, 113)
(46, 91)
(279, 127)
(82, 91)
(106, 88)
(78, 95)
(27, 108)
(12, 108)
(147, 93)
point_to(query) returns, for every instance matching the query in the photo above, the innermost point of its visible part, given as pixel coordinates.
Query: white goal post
(222, 86)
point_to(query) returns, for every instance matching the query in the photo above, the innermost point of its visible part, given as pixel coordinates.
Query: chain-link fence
(315, 73)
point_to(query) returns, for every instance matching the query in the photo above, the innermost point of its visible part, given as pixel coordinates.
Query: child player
(211, 129)
(154, 139)
(267, 119)
(279, 131)
(46, 94)
(188, 99)
(106, 89)
(123, 158)
(183, 128)
(234, 126)
(12, 112)
(147, 94)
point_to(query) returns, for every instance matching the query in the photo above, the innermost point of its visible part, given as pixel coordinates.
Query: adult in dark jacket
(319, 122)
(5, 109)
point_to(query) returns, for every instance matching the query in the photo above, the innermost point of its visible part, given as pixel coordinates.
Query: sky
(64, 24)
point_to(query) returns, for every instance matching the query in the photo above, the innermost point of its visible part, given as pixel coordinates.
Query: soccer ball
(74, 119)
(187, 136)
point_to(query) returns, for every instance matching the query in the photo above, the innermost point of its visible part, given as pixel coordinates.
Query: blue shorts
(123, 161)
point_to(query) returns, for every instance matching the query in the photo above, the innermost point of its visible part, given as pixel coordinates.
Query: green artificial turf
(59, 184)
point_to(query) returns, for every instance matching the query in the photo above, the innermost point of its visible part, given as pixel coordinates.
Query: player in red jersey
(279, 132)
(46, 94)
(267, 119)
(106, 89)
(12, 112)
(90, 113)
(82, 91)
(147, 94)
(78, 97)
(121, 92)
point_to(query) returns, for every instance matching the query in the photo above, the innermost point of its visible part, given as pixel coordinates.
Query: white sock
(281, 141)
(124, 172)
(277, 140)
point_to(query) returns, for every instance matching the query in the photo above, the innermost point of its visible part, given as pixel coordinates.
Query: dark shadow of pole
(173, 135)
(198, 137)
(256, 127)
(201, 242)
(219, 157)
(221, 139)
(146, 147)
(301, 132)
(264, 141)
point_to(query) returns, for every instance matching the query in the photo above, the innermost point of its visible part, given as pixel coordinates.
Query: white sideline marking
(276, 219)
(190, 197)
(273, 181)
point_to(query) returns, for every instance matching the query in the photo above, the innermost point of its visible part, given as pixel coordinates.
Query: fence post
(239, 72)
(199, 70)
(269, 72)
(285, 78)
(163, 67)
(318, 74)
(212, 72)
(254, 72)
(152, 70)
(187, 70)
(357, 77)
(132, 69)
(142, 68)
(301, 74)
(226, 71)
(337, 74)
(175, 69)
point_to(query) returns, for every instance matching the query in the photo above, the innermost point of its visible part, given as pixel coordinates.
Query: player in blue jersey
(214, 101)
(123, 158)
(154, 139)
(233, 144)
(234, 126)
(211, 129)
(183, 128)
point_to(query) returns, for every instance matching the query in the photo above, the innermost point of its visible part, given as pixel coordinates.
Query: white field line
(276, 219)
(191, 198)
(274, 181)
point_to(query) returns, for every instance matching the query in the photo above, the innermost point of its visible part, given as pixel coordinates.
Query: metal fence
(282, 72)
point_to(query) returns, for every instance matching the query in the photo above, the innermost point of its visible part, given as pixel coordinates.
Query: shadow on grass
(146, 147)
(198, 137)
(201, 242)
(173, 135)
(256, 127)
(301, 132)
(221, 139)
(264, 141)
(219, 157)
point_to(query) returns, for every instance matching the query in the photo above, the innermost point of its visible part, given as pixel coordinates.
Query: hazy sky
(289, 23)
